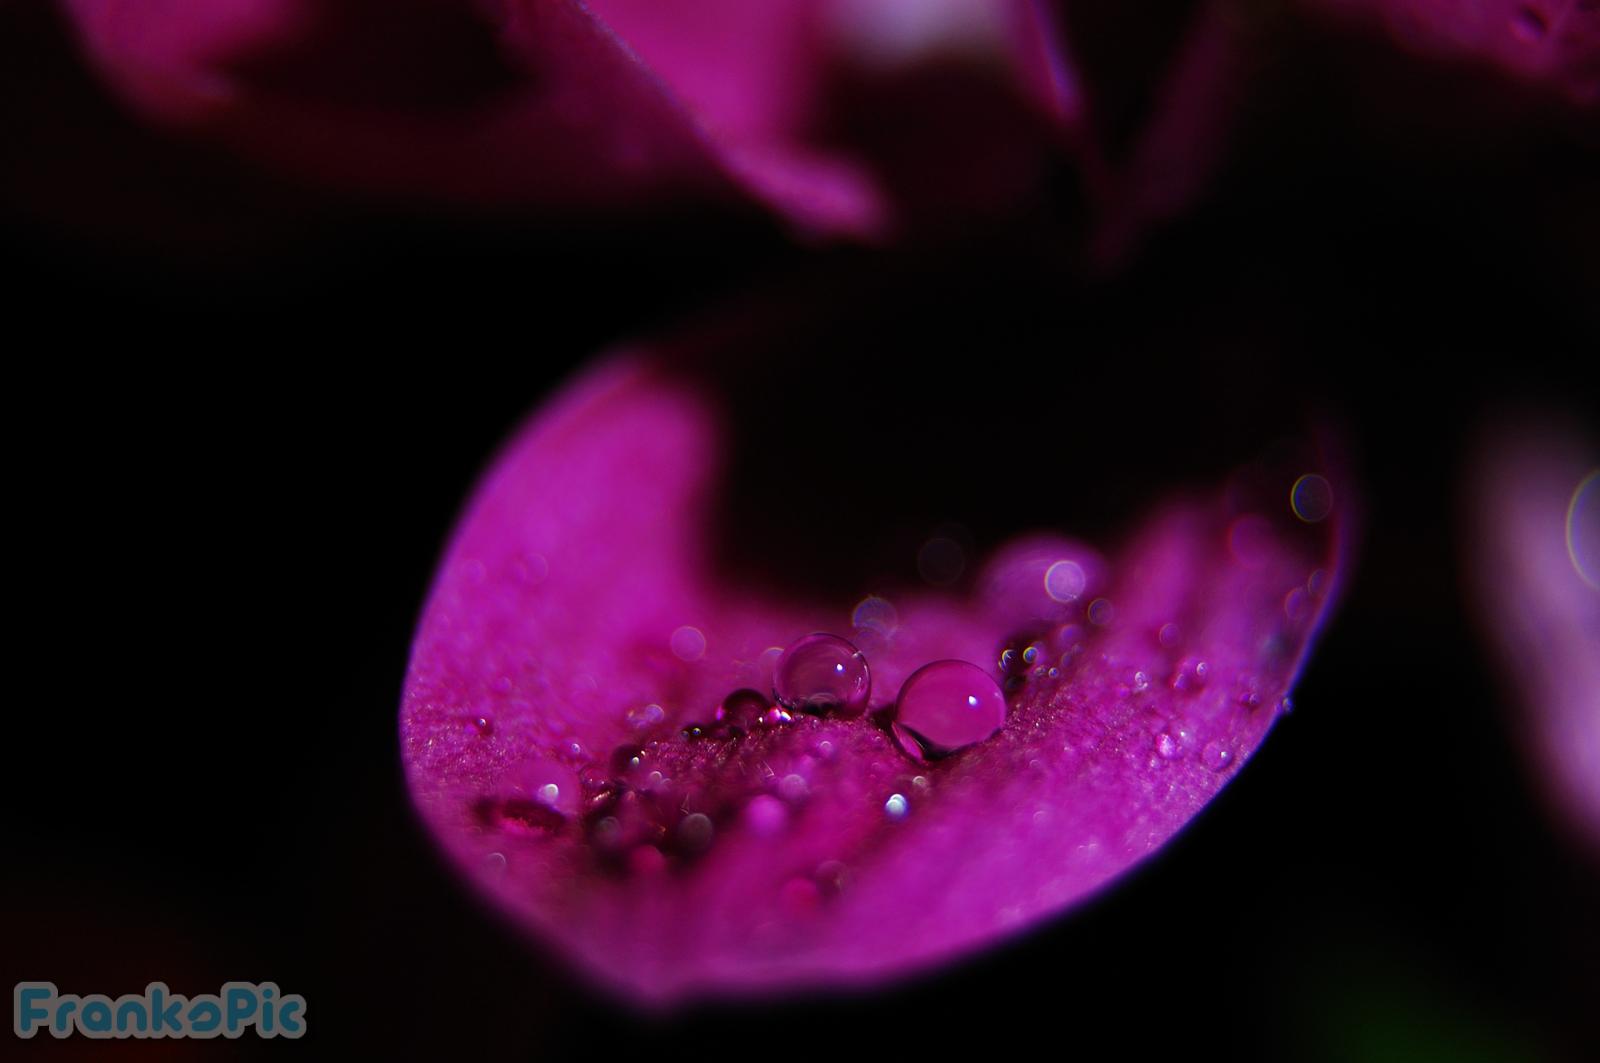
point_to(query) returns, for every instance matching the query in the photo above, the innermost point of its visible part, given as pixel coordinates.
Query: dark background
(244, 416)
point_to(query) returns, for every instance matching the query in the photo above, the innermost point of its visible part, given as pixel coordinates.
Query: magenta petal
(579, 626)
(1535, 560)
(516, 102)
(1552, 42)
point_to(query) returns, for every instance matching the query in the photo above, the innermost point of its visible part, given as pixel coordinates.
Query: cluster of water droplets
(754, 761)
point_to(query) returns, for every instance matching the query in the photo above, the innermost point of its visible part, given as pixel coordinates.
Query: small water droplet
(483, 725)
(644, 717)
(695, 833)
(1248, 692)
(1141, 682)
(741, 710)
(625, 759)
(822, 673)
(946, 706)
(688, 643)
(1019, 655)
(1101, 612)
(793, 788)
(495, 863)
(1317, 583)
(1583, 529)
(1216, 756)
(877, 615)
(776, 716)
(1168, 635)
(1168, 745)
(549, 794)
(897, 806)
(1296, 605)
(1190, 675)
(1064, 581)
(1311, 498)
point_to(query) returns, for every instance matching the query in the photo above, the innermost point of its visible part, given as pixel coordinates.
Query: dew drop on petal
(897, 806)
(1064, 581)
(741, 710)
(1311, 498)
(1216, 756)
(875, 614)
(1583, 529)
(1190, 675)
(643, 717)
(822, 673)
(688, 643)
(1168, 746)
(695, 833)
(1101, 612)
(483, 725)
(946, 706)
(793, 788)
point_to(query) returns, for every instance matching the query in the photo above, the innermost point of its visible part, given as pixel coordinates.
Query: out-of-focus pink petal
(520, 101)
(1554, 42)
(1186, 136)
(1535, 561)
(582, 619)
(617, 102)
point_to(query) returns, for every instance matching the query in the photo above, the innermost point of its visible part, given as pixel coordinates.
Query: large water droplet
(946, 706)
(741, 710)
(822, 673)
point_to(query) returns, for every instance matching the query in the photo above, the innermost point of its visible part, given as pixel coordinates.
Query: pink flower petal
(613, 103)
(522, 101)
(1551, 42)
(1535, 559)
(583, 617)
